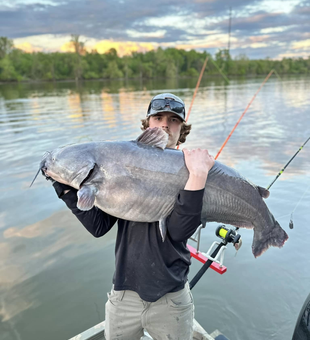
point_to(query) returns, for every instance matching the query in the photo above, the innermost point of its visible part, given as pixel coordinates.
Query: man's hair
(185, 130)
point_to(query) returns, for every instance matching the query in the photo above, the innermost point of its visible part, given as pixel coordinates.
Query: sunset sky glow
(260, 29)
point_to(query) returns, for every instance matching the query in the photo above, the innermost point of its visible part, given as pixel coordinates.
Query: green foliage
(171, 70)
(191, 72)
(6, 46)
(16, 65)
(113, 71)
(7, 70)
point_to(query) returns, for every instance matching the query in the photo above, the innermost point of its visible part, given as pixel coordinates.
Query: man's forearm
(185, 217)
(97, 222)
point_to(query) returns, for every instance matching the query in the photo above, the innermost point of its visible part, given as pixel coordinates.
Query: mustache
(166, 130)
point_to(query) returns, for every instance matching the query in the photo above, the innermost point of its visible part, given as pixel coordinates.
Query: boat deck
(97, 333)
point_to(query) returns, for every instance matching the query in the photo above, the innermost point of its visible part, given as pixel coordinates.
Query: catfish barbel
(140, 181)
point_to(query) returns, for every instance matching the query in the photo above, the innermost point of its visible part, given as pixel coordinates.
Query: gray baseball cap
(167, 102)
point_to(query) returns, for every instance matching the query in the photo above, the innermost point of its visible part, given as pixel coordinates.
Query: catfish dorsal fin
(263, 192)
(154, 136)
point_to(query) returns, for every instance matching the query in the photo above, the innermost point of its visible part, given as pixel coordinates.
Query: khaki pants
(171, 317)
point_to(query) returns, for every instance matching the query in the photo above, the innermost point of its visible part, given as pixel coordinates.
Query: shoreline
(40, 81)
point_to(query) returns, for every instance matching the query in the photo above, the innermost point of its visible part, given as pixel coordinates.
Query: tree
(160, 62)
(79, 50)
(111, 54)
(242, 62)
(171, 69)
(79, 46)
(16, 64)
(190, 57)
(7, 70)
(113, 71)
(175, 59)
(6, 46)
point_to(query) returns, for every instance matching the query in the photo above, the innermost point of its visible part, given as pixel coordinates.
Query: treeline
(16, 65)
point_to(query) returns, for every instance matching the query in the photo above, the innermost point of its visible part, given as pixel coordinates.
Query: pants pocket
(182, 299)
(115, 296)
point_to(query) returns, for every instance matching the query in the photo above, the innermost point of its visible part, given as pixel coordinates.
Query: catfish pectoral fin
(86, 198)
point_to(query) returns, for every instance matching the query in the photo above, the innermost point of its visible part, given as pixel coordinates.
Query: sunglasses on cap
(171, 105)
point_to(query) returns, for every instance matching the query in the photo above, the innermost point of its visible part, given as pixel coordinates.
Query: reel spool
(227, 235)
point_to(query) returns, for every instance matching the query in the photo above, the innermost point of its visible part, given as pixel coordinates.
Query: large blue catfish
(140, 181)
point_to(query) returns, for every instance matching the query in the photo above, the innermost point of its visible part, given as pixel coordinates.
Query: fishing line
(220, 71)
(303, 195)
(286, 165)
(291, 214)
(291, 224)
(244, 112)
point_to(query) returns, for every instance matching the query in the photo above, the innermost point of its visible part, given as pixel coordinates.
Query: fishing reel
(216, 251)
(228, 235)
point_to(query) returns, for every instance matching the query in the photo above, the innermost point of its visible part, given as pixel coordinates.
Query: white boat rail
(97, 333)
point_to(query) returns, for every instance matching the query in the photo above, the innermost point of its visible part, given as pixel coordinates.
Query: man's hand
(198, 163)
(61, 189)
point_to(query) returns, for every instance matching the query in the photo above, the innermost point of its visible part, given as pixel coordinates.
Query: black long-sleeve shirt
(144, 263)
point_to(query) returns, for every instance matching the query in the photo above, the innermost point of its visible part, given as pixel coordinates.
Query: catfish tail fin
(263, 239)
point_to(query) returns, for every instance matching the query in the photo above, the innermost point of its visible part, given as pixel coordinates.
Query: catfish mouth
(89, 177)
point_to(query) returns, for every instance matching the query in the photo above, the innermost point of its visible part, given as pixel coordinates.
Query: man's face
(169, 122)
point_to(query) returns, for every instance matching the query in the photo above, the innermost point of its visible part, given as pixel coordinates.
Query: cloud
(298, 54)
(185, 23)
(154, 34)
(303, 45)
(274, 29)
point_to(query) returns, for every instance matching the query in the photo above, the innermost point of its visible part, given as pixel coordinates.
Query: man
(150, 289)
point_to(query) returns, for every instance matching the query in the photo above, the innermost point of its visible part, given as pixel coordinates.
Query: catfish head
(73, 165)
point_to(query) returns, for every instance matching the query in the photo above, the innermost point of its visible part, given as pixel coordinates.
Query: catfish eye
(53, 159)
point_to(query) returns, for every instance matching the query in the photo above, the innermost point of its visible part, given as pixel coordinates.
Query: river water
(54, 275)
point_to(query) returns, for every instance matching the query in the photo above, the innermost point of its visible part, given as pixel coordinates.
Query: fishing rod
(244, 112)
(227, 236)
(198, 83)
(231, 236)
(291, 223)
(196, 88)
(286, 165)
(220, 71)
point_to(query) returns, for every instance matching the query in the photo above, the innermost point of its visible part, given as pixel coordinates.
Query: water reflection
(28, 252)
(39, 244)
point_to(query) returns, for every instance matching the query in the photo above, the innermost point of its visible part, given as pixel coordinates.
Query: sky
(259, 29)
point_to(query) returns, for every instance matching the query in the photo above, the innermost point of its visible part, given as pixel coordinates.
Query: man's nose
(164, 122)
